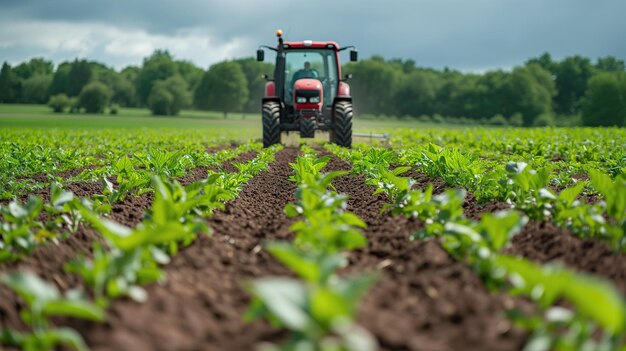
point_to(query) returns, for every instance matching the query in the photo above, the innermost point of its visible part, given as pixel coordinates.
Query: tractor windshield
(319, 64)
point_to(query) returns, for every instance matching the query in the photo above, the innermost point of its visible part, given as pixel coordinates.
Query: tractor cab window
(318, 64)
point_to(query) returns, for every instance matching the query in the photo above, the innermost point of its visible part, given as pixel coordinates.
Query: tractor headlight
(315, 100)
(301, 99)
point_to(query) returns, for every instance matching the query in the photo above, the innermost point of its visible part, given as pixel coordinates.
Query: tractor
(307, 92)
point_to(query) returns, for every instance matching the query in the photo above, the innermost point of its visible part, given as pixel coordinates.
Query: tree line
(542, 91)
(161, 83)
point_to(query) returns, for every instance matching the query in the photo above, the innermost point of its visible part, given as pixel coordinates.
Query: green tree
(160, 99)
(177, 86)
(190, 73)
(545, 61)
(169, 97)
(79, 75)
(124, 92)
(222, 88)
(36, 89)
(60, 80)
(159, 66)
(58, 103)
(374, 85)
(610, 64)
(572, 75)
(253, 71)
(489, 96)
(417, 93)
(530, 92)
(34, 67)
(453, 95)
(9, 84)
(604, 103)
(94, 97)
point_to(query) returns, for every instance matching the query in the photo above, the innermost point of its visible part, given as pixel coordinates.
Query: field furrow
(48, 260)
(423, 299)
(201, 305)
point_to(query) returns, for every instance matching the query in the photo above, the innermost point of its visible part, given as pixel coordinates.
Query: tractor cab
(307, 92)
(315, 61)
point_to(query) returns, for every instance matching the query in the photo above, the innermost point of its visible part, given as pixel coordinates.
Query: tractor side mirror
(354, 55)
(260, 55)
(347, 77)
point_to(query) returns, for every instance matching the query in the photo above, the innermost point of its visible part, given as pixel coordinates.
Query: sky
(468, 35)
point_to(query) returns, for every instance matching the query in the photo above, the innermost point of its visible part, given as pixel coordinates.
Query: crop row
(598, 308)
(32, 159)
(128, 258)
(570, 152)
(22, 228)
(534, 191)
(319, 308)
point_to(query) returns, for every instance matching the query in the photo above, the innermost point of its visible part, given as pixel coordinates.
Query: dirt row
(423, 299)
(201, 305)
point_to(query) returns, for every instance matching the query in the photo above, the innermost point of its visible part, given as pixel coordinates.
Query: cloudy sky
(471, 35)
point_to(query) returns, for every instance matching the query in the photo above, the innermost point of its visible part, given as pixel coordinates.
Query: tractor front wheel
(307, 127)
(341, 133)
(271, 124)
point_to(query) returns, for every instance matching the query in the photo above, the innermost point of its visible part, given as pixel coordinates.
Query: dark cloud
(468, 35)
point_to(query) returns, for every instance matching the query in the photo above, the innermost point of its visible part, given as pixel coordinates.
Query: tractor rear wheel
(271, 123)
(341, 133)
(307, 127)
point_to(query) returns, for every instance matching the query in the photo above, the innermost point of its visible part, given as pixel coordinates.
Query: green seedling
(44, 301)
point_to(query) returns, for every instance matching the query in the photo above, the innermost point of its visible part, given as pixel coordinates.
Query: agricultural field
(201, 239)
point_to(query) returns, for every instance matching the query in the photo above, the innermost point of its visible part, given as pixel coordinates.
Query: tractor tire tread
(342, 128)
(271, 123)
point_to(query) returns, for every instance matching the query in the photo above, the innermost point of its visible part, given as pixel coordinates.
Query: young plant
(614, 193)
(20, 231)
(134, 255)
(164, 163)
(62, 207)
(599, 323)
(321, 317)
(320, 311)
(43, 301)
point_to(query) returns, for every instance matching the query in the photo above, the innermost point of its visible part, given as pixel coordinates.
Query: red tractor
(307, 92)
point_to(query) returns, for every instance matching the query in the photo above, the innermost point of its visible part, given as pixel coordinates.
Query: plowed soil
(423, 299)
(48, 260)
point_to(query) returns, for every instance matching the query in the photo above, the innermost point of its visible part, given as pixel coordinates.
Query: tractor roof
(309, 44)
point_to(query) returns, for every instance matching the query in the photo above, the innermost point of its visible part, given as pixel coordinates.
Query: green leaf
(49, 339)
(286, 299)
(74, 308)
(295, 260)
(516, 167)
(499, 228)
(601, 182)
(592, 297)
(399, 170)
(17, 211)
(599, 300)
(353, 220)
(327, 306)
(30, 287)
(569, 195)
